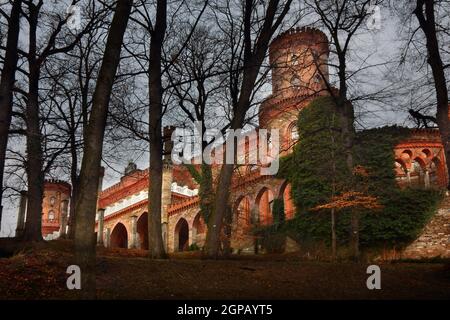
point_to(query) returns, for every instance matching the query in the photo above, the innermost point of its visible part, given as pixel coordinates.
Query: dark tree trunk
(85, 208)
(34, 163)
(156, 244)
(425, 14)
(6, 87)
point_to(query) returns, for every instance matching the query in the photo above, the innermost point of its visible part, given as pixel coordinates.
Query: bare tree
(7, 84)
(425, 14)
(85, 207)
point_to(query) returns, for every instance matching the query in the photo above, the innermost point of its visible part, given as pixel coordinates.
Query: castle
(299, 59)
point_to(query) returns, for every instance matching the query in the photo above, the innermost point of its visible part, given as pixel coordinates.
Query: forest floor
(40, 273)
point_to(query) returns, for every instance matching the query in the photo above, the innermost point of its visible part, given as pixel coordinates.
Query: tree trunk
(156, 244)
(333, 235)
(85, 208)
(428, 25)
(74, 179)
(354, 238)
(6, 87)
(228, 220)
(34, 163)
(215, 222)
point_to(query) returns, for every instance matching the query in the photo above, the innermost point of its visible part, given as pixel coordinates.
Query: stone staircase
(434, 240)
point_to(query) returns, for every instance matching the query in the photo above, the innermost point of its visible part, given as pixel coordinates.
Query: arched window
(317, 78)
(294, 132)
(296, 82)
(51, 215)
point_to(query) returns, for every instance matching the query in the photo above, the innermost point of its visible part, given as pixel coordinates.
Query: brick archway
(288, 202)
(181, 238)
(142, 231)
(264, 202)
(119, 236)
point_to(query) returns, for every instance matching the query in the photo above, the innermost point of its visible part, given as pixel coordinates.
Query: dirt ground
(127, 274)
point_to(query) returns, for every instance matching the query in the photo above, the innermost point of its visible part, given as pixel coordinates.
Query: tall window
(51, 215)
(293, 132)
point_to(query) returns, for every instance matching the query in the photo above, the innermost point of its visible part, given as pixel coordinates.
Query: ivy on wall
(317, 170)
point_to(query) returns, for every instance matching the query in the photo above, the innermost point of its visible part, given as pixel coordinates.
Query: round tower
(54, 205)
(299, 60)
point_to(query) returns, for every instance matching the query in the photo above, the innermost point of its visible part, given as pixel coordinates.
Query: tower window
(296, 82)
(317, 78)
(51, 215)
(295, 59)
(293, 132)
(52, 201)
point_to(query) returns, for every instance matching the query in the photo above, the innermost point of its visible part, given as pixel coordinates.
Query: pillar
(100, 231)
(427, 179)
(166, 198)
(108, 238)
(100, 183)
(21, 215)
(63, 222)
(408, 176)
(134, 238)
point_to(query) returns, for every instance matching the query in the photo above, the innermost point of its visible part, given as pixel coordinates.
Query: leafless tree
(85, 208)
(7, 84)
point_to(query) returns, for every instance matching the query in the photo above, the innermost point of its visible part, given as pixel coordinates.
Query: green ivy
(319, 153)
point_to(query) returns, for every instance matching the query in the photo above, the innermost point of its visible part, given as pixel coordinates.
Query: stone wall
(434, 240)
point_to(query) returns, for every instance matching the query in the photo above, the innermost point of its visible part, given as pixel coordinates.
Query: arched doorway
(288, 203)
(417, 173)
(265, 203)
(401, 173)
(119, 236)
(181, 235)
(142, 231)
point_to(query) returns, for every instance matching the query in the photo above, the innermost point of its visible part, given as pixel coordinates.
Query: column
(427, 179)
(133, 232)
(166, 197)
(64, 212)
(100, 231)
(21, 215)
(100, 183)
(108, 237)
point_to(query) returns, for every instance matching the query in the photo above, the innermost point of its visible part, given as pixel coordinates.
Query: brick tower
(299, 61)
(54, 205)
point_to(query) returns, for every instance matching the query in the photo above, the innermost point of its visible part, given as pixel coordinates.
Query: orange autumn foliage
(351, 199)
